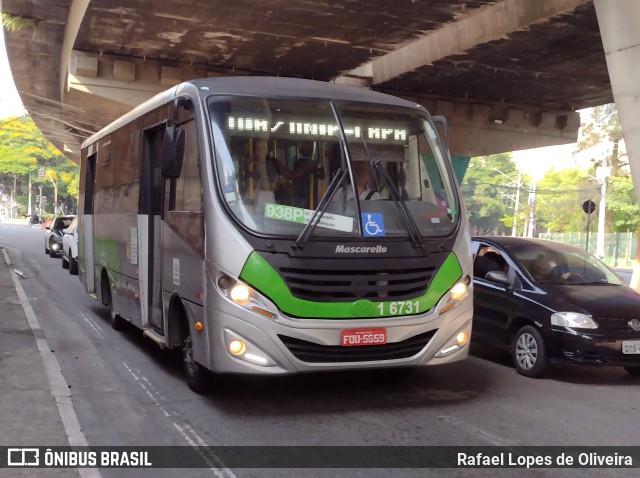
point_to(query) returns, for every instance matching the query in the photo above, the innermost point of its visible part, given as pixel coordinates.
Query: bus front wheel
(196, 375)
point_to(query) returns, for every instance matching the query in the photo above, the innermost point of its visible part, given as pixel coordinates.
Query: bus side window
(185, 214)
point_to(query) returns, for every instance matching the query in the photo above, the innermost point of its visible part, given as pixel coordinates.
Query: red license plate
(355, 337)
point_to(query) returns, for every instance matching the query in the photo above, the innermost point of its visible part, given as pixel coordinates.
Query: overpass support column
(618, 22)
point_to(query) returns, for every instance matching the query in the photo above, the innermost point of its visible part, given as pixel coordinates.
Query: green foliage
(489, 188)
(622, 203)
(14, 23)
(560, 195)
(24, 151)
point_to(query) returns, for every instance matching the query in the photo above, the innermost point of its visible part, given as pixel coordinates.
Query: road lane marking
(146, 390)
(58, 385)
(190, 436)
(216, 465)
(96, 328)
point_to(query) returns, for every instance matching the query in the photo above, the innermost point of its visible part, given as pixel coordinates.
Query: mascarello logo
(377, 249)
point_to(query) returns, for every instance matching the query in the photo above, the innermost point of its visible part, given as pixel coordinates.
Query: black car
(547, 302)
(53, 235)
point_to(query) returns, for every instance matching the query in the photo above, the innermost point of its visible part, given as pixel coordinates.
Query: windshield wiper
(412, 227)
(337, 181)
(304, 236)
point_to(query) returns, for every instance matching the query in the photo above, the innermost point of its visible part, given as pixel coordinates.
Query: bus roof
(256, 86)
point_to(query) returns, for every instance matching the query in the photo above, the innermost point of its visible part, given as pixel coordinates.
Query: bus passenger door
(88, 276)
(149, 231)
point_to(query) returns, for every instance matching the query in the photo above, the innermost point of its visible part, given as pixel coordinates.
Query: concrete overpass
(509, 74)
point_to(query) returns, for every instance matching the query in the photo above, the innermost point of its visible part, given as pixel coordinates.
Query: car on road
(69, 251)
(546, 302)
(53, 234)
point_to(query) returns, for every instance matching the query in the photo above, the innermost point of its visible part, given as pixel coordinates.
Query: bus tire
(73, 265)
(197, 377)
(117, 322)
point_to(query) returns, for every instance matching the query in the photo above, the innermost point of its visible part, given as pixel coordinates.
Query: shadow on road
(575, 374)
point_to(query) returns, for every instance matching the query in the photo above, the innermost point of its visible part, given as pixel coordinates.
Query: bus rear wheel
(117, 322)
(197, 377)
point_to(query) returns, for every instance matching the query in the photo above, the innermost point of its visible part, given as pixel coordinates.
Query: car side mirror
(499, 277)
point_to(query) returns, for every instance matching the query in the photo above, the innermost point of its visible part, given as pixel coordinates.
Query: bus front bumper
(257, 345)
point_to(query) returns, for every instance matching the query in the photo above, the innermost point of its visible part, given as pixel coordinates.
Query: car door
(493, 303)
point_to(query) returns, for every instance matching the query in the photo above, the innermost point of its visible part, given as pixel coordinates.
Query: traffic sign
(589, 206)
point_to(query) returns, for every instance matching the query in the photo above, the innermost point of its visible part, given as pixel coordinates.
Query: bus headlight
(457, 293)
(243, 349)
(240, 294)
(455, 343)
(246, 297)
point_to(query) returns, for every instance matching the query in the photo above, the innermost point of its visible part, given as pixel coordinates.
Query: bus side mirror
(172, 152)
(442, 126)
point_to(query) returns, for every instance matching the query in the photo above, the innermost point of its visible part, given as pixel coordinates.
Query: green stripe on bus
(259, 274)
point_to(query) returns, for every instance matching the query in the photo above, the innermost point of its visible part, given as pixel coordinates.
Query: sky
(10, 104)
(535, 162)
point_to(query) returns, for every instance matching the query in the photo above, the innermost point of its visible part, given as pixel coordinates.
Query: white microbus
(275, 225)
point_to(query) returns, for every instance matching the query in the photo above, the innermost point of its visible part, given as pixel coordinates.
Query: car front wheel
(529, 355)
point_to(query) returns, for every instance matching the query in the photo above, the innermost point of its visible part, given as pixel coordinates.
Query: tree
(489, 189)
(24, 151)
(560, 195)
(622, 203)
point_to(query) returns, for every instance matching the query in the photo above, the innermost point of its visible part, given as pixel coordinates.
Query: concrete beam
(76, 14)
(490, 23)
(479, 129)
(128, 81)
(621, 40)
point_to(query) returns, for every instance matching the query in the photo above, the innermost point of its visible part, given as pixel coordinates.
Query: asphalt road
(128, 392)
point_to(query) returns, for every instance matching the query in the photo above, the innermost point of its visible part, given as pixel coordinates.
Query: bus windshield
(372, 170)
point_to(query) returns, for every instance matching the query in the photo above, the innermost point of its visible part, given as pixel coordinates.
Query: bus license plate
(355, 337)
(631, 346)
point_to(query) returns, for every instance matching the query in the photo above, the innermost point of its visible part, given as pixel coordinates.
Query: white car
(70, 247)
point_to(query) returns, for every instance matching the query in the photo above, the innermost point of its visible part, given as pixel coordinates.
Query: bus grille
(316, 353)
(344, 283)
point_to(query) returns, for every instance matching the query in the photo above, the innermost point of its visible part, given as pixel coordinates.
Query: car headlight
(574, 320)
(243, 295)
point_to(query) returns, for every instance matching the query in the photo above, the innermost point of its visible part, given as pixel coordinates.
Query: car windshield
(557, 263)
(372, 170)
(62, 223)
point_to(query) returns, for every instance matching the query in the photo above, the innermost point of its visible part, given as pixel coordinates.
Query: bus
(276, 226)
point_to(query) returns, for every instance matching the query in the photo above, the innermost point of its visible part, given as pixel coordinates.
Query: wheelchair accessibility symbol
(372, 224)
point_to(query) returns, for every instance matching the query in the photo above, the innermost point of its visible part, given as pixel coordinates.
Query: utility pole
(29, 206)
(40, 205)
(602, 173)
(514, 229)
(13, 194)
(518, 184)
(530, 227)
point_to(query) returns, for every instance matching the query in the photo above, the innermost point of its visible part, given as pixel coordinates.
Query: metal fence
(619, 247)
